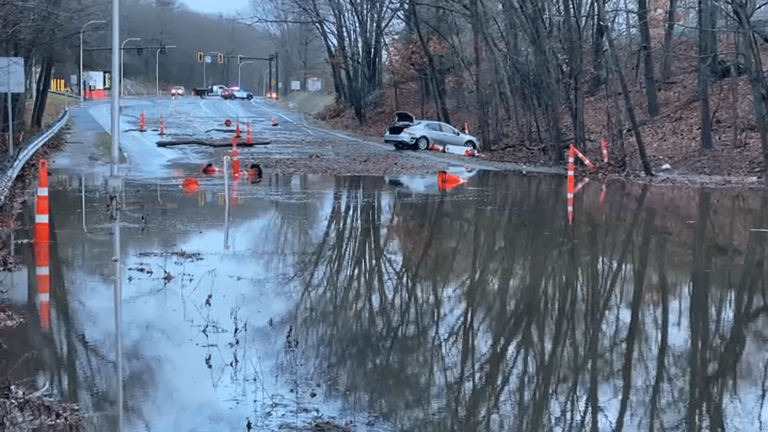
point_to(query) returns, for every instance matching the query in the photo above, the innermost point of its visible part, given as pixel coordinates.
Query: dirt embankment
(672, 138)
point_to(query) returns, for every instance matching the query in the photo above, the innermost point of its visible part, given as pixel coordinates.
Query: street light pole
(115, 150)
(157, 69)
(122, 58)
(82, 30)
(238, 71)
(115, 94)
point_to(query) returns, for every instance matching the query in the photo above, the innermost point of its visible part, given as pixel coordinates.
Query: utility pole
(115, 121)
(270, 76)
(277, 76)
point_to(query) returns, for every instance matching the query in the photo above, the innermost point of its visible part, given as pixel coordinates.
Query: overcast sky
(223, 6)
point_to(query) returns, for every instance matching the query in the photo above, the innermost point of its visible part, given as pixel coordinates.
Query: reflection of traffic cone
(235, 161)
(248, 132)
(447, 181)
(162, 125)
(570, 183)
(272, 119)
(190, 185)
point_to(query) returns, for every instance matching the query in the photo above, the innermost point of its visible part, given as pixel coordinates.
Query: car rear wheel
(422, 143)
(250, 97)
(471, 145)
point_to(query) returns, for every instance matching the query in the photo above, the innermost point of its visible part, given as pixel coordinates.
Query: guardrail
(7, 179)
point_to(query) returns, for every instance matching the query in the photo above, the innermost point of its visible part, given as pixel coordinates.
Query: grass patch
(103, 143)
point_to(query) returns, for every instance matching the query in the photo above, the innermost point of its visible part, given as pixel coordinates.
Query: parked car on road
(178, 91)
(408, 132)
(236, 93)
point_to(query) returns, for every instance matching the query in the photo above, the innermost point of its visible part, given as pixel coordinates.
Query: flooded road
(386, 304)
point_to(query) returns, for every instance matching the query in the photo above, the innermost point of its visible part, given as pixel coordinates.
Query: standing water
(395, 304)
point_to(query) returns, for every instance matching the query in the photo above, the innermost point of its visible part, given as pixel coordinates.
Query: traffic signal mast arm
(242, 58)
(129, 48)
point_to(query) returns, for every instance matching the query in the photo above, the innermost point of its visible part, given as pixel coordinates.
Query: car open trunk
(402, 121)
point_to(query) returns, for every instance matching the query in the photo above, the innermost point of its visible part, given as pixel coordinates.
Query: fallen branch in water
(208, 143)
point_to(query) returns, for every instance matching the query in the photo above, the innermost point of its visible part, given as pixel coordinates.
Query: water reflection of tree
(463, 315)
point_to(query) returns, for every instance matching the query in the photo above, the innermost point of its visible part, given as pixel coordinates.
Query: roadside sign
(107, 80)
(73, 80)
(11, 81)
(295, 85)
(207, 59)
(12, 75)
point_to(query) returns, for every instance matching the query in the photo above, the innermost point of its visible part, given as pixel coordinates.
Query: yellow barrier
(58, 84)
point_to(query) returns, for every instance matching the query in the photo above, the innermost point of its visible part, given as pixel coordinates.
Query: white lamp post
(122, 58)
(238, 71)
(82, 30)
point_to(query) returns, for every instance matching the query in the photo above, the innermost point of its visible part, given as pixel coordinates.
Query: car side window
(432, 127)
(448, 129)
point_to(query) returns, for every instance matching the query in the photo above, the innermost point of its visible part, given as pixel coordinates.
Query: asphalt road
(298, 145)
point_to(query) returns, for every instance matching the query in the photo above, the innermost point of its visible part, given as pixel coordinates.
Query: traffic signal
(239, 58)
(199, 56)
(162, 50)
(220, 57)
(139, 51)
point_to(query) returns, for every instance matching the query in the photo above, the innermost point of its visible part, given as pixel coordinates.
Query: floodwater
(385, 304)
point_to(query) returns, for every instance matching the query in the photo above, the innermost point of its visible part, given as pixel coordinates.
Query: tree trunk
(598, 55)
(666, 63)
(482, 111)
(645, 48)
(754, 69)
(437, 79)
(704, 74)
(41, 96)
(625, 90)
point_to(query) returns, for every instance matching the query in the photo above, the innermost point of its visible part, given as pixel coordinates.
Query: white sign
(295, 85)
(12, 75)
(314, 84)
(207, 59)
(73, 79)
(279, 85)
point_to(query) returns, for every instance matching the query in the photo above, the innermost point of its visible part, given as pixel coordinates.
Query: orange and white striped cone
(41, 204)
(605, 149)
(570, 184)
(235, 161)
(248, 132)
(41, 244)
(584, 159)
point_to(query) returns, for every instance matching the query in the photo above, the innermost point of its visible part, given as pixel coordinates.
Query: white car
(237, 93)
(408, 132)
(177, 91)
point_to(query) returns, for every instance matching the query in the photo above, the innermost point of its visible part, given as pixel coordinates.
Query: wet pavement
(297, 146)
(390, 304)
